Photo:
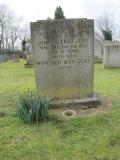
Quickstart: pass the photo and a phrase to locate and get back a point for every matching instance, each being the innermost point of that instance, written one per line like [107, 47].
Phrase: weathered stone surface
[63, 56]
[111, 54]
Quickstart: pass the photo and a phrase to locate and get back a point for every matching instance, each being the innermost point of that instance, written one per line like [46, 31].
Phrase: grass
[85, 138]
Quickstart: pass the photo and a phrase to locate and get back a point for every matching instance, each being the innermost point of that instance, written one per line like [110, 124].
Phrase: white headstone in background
[111, 54]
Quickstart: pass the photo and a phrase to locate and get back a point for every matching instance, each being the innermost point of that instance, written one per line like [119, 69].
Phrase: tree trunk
[0, 46]
[13, 48]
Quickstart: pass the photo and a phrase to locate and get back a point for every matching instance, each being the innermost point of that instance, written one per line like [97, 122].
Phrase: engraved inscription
[61, 49]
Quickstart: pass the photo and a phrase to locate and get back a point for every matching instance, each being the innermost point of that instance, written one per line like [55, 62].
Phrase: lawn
[95, 137]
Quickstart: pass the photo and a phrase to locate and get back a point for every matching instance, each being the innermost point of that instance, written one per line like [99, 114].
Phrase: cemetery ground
[87, 137]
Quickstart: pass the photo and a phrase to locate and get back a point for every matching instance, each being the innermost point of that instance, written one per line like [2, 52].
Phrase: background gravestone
[111, 57]
[3, 58]
[63, 56]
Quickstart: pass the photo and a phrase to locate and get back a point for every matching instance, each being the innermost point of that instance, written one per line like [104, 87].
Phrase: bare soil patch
[104, 107]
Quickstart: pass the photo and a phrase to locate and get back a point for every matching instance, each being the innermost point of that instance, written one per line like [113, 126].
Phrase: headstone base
[84, 103]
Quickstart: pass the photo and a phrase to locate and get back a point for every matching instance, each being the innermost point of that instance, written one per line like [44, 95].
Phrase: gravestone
[63, 53]
[3, 58]
[98, 51]
[29, 61]
[111, 57]
[15, 57]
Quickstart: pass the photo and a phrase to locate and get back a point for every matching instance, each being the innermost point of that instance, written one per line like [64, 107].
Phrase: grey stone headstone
[2, 59]
[63, 53]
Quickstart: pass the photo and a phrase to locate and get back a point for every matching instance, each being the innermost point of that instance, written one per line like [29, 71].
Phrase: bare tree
[3, 21]
[12, 29]
[24, 33]
[24, 30]
[105, 27]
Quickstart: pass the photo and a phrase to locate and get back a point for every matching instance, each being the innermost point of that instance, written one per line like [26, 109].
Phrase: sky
[34, 10]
